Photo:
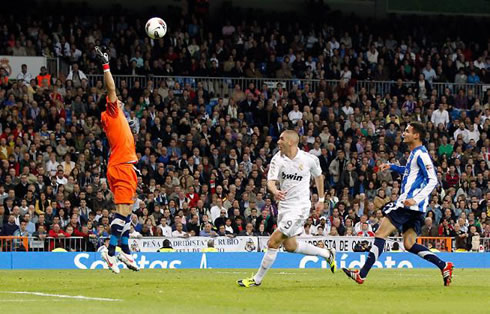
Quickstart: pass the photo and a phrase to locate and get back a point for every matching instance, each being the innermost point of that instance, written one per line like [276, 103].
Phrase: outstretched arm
[392, 167]
[103, 58]
[110, 85]
[399, 169]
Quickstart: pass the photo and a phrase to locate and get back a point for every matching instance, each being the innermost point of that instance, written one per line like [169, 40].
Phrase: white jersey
[294, 178]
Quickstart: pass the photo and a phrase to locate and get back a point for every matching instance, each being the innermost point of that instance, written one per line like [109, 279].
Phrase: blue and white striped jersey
[419, 179]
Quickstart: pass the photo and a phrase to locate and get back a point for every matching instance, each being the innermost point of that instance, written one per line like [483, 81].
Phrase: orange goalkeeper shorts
[122, 182]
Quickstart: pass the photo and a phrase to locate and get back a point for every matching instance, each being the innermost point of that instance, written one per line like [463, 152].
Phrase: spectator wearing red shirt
[446, 229]
[192, 197]
[57, 233]
[452, 177]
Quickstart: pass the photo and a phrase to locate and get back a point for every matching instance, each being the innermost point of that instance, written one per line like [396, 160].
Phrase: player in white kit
[292, 168]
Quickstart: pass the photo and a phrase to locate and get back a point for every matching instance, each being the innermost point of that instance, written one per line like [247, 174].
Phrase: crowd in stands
[204, 160]
[258, 45]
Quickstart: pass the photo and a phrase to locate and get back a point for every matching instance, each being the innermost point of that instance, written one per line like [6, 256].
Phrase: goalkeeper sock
[426, 254]
[125, 236]
[375, 252]
[310, 249]
[117, 226]
[267, 261]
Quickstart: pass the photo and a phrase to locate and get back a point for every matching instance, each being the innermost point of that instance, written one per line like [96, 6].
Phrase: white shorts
[291, 224]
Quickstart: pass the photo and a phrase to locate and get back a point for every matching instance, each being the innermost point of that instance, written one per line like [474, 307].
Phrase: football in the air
[156, 28]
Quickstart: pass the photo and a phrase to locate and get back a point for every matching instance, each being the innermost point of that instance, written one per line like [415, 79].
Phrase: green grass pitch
[215, 291]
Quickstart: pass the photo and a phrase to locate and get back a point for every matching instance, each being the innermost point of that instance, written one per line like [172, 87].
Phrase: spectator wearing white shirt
[24, 76]
[429, 73]
[75, 53]
[52, 164]
[76, 76]
[334, 44]
[307, 232]
[460, 77]
[463, 132]
[347, 109]
[316, 150]
[372, 55]
[295, 115]
[346, 40]
[67, 165]
[179, 232]
[228, 29]
[166, 229]
[215, 211]
[473, 133]
[479, 63]
[440, 116]
[358, 226]
[485, 116]
[133, 233]
[60, 178]
[62, 48]
[346, 74]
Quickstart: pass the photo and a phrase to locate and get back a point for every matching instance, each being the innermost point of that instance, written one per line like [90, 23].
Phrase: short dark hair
[418, 128]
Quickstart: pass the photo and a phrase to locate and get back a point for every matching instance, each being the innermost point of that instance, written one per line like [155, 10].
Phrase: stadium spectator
[428, 229]
[227, 133]
[473, 240]
[207, 231]
[24, 76]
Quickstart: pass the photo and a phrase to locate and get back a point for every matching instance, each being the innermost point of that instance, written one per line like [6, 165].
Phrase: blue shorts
[404, 219]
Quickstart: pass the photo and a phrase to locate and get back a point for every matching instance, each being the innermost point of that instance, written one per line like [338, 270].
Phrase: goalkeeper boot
[128, 260]
[111, 262]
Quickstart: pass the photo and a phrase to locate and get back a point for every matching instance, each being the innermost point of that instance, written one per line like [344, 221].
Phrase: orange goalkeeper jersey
[119, 134]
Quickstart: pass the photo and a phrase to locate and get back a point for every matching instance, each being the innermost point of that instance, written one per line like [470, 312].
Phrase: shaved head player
[292, 169]
[121, 173]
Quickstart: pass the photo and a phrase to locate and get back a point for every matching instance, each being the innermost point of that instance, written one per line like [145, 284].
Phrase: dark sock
[375, 252]
[125, 236]
[426, 254]
[117, 226]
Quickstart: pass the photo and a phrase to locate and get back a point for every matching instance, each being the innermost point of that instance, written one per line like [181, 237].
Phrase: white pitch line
[79, 297]
[32, 300]
[20, 300]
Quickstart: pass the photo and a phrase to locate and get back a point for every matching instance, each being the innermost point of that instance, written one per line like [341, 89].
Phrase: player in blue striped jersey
[407, 214]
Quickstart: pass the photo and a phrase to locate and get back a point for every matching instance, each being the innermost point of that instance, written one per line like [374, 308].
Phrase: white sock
[310, 249]
[267, 261]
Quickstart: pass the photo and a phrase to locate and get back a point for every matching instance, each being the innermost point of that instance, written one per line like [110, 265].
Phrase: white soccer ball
[156, 28]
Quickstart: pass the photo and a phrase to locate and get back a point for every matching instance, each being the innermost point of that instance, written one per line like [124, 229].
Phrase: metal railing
[58, 67]
[443, 244]
[12, 243]
[46, 244]
[223, 86]
[485, 244]
[76, 244]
